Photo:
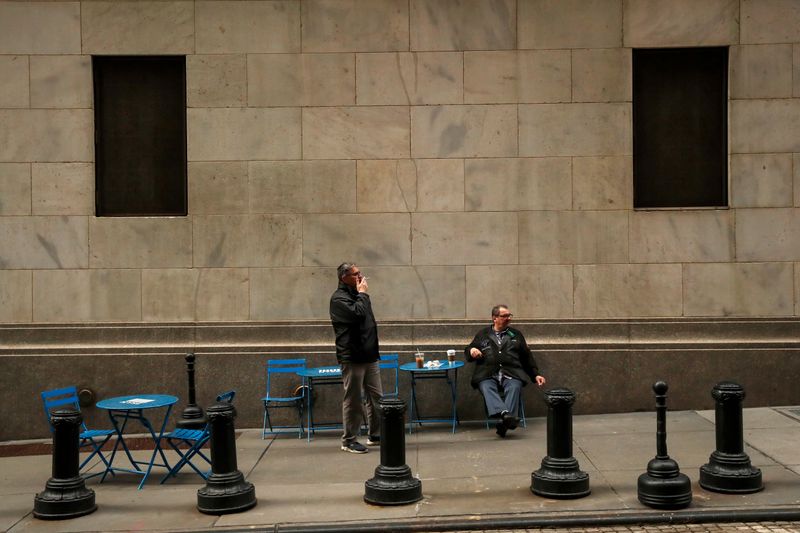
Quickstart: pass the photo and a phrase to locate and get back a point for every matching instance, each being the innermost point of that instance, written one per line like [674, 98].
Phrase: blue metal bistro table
[445, 370]
[124, 408]
[322, 375]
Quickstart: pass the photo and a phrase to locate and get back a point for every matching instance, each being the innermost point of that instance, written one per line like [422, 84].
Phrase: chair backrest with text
[391, 361]
[67, 396]
[282, 366]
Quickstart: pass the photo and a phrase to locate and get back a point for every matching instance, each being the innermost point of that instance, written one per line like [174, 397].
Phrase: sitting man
[502, 361]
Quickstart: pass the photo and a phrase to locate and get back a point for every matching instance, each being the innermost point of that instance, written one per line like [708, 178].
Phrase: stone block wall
[463, 153]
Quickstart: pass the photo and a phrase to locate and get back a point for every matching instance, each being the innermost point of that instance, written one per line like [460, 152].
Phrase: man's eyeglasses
[509, 315]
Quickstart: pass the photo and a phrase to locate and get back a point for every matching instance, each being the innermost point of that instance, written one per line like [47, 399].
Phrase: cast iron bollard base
[663, 486]
[226, 490]
[393, 483]
[192, 416]
[729, 469]
[560, 476]
[65, 494]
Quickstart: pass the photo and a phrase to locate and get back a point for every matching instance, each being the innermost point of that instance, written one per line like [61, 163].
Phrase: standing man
[503, 362]
[357, 353]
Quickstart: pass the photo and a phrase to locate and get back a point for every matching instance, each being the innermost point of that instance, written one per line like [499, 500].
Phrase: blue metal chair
[194, 439]
[391, 361]
[95, 438]
[273, 400]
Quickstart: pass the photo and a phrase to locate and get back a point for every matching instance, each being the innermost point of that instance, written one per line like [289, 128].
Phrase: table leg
[309, 409]
[120, 440]
[157, 443]
[412, 409]
[453, 394]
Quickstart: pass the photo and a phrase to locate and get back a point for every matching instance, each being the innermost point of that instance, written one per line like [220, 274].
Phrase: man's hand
[475, 353]
[361, 284]
[540, 380]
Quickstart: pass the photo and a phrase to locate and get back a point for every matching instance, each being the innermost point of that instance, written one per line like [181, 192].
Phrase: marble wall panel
[16, 296]
[764, 126]
[768, 234]
[761, 71]
[40, 28]
[223, 294]
[62, 188]
[247, 27]
[797, 288]
[218, 188]
[161, 242]
[517, 184]
[517, 76]
[61, 81]
[409, 78]
[530, 291]
[770, 21]
[87, 295]
[643, 290]
[14, 86]
[570, 23]
[464, 25]
[367, 239]
[246, 240]
[571, 237]
[796, 70]
[302, 186]
[46, 135]
[386, 186]
[216, 80]
[464, 238]
[169, 294]
[602, 182]
[301, 79]
[796, 167]
[355, 26]
[681, 236]
[741, 289]
[601, 75]
[761, 180]
[43, 242]
[15, 189]
[291, 293]
[243, 134]
[440, 184]
[417, 292]
[680, 23]
[464, 131]
[355, 133]
[141, 27]
[574, 129]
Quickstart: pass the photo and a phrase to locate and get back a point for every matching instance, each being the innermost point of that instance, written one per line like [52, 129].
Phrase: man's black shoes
[501, 428]
[510, 421]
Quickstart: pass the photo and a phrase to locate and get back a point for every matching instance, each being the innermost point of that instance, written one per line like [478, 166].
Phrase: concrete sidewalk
[470, 480]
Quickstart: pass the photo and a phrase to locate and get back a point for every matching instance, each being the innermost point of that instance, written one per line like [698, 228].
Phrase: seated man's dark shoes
[501, 428]
[509, 421]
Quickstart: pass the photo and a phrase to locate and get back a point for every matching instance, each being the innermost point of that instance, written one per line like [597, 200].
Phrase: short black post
[560, 475]
[663, 486]
[393, 483]
[728, 469]
[192, 416]
[65, 494]
[226, 491]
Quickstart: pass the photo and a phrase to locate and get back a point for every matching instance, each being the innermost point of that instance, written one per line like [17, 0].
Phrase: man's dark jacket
[513, 357]
[354, 326]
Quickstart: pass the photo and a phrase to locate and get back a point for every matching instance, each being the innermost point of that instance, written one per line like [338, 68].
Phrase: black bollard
[560, 475]
[65, 494]
[226, 491]
[192, 416]
[663, 486]
[728, 469]
[393, 483]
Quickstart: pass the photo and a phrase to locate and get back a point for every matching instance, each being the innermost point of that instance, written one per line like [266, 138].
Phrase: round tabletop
[137, 401]
[321, 372]
[443, 365]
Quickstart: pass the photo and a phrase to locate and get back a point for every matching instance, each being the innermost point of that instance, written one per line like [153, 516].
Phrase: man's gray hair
[343, 269]
[496, 309]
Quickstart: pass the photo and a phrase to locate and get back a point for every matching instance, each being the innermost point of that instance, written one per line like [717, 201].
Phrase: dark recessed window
[140, 128]
[680, 127]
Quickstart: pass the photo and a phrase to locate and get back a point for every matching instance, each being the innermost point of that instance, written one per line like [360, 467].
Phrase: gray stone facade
[462, 153]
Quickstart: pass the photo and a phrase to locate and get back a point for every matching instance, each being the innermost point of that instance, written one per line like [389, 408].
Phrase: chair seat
[281, 399]
[186, 434]
[93, 433]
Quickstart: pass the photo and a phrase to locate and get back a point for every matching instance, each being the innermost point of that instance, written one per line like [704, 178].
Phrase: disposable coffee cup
[451, 356]
[420, 358]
